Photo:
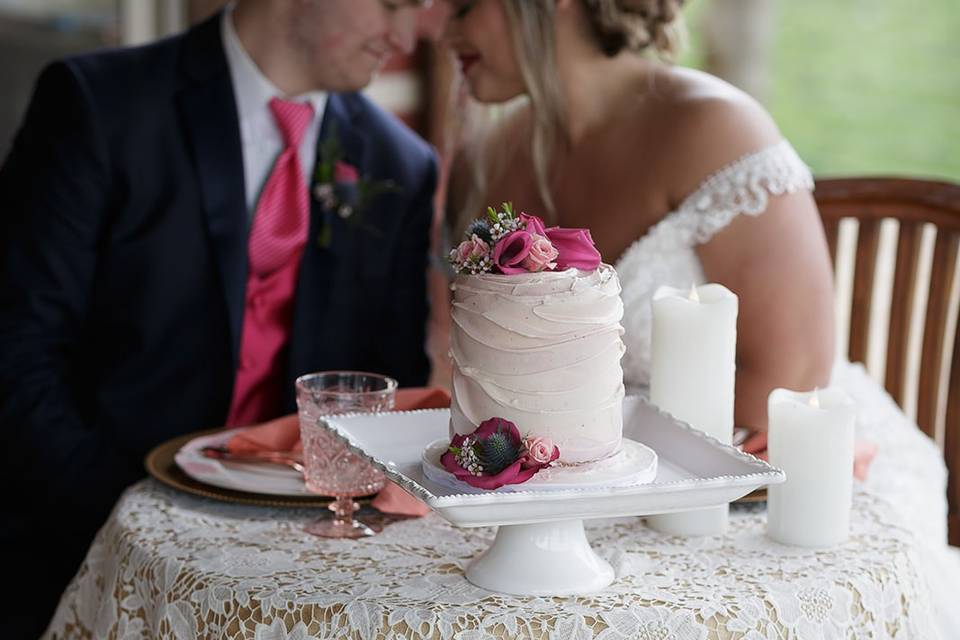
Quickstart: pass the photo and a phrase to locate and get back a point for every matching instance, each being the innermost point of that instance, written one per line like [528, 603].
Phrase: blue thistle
[497, 452]
[481, 229]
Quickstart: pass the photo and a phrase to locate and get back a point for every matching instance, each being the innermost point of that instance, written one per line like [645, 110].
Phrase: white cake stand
[568, 565]
[547, 559]
[540, 547]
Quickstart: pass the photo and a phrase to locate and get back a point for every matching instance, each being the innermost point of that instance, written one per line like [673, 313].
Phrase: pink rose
[510, 252]
[533, 224]
[472, 248]
[541, 256]
[464, 249]
[346, 173]
[575, 248]
[540, 452]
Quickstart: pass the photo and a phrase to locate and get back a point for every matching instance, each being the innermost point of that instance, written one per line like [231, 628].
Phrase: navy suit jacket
[123, 262]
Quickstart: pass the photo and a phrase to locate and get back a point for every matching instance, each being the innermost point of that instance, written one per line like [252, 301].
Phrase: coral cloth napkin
[283, 434]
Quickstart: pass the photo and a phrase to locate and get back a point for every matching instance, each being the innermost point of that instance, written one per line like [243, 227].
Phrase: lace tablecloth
[170, 565]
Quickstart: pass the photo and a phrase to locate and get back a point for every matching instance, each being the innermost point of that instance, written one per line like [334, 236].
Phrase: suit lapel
[209, 111]
[338, 120]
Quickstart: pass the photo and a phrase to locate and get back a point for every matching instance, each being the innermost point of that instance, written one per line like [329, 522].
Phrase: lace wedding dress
[908, 471]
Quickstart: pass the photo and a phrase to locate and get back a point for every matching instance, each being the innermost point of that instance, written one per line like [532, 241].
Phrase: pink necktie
[276, 243]
[280, 221]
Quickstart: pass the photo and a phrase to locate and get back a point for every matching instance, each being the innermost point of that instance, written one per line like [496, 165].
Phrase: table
[172, 565]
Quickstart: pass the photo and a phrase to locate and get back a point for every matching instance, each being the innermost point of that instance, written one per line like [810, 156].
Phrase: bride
[681, 179]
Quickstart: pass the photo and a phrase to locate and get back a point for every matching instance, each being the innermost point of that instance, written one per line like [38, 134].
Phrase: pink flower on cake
[540, 451]
[473, 248]
[494, 455]
[510, 252]
[533, 224]
[575, 248]
[542, 254]
[521, 243]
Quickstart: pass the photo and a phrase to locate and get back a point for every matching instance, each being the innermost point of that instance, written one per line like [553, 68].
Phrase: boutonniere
[340, 188]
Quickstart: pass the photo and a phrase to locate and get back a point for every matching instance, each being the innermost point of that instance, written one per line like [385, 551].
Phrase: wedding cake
[541, 350]
[536, 347]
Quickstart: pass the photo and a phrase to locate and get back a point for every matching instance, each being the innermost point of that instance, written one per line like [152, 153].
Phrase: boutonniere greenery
[339, 187]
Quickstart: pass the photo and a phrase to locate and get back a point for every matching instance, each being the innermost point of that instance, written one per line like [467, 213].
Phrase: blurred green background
[863, 86]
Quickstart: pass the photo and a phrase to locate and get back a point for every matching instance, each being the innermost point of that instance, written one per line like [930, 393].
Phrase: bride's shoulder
[707, 125]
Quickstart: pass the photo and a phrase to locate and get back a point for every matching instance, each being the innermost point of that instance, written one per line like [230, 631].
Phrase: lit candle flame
[694, 296]
[815, 399]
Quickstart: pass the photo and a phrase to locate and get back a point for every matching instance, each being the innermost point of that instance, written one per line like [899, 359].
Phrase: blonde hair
[535, 45]
[618, 25]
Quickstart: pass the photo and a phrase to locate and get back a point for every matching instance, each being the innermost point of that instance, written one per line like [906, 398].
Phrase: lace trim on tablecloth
[169, 565]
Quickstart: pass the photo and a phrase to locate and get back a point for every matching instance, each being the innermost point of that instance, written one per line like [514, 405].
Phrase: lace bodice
[665, 254]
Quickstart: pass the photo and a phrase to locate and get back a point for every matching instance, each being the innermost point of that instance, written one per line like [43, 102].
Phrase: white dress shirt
[260, 137]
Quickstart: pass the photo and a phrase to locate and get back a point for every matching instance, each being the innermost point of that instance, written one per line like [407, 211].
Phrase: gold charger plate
[161, 466]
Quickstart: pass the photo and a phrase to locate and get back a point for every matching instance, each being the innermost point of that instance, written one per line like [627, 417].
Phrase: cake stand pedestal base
[702, 522]
[546, 559]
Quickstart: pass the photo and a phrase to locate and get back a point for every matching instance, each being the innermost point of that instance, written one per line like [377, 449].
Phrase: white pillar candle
[811, 439]
[692, 377]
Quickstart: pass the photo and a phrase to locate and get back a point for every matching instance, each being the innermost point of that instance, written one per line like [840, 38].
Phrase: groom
[173, 253]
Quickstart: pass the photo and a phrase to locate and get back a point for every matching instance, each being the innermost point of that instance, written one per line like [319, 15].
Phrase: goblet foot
[341, 523]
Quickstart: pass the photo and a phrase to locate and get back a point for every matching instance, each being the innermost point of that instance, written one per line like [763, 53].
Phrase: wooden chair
[914, 204]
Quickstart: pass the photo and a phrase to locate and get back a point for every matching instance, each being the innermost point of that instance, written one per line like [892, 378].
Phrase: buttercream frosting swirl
[543, 351]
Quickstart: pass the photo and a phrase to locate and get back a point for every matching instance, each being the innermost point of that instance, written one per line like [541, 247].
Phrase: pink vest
[261, 370]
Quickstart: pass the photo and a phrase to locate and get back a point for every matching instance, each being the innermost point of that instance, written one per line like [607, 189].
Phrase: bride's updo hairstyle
[635, 25]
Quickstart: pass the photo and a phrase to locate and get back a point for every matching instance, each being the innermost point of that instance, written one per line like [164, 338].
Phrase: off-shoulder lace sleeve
[743, 187]
[665, 254]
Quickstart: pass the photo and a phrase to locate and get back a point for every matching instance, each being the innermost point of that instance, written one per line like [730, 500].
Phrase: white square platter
[694, 470]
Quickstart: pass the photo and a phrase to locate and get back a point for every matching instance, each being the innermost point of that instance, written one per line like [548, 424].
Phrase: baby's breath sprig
[475, 254]
[503, 222]
[466, 455]
[473, 265]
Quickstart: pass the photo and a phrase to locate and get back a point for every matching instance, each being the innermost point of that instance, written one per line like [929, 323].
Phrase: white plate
[255, 477]
[694, 470]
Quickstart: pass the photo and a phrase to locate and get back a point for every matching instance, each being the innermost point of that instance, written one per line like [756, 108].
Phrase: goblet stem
[343, 508]
[342, 523]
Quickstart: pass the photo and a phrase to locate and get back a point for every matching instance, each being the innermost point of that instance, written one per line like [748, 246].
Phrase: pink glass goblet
[330, 469]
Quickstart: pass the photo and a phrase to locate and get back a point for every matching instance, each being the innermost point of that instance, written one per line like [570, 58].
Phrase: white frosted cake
[541, 350]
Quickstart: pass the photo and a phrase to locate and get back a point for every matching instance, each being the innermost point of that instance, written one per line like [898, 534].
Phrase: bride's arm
[777, 263]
